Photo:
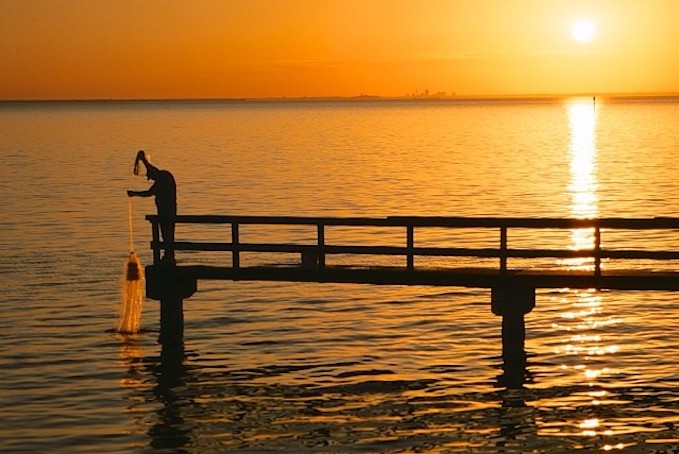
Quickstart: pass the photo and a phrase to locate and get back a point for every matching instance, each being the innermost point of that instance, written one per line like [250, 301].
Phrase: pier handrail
[410, 223]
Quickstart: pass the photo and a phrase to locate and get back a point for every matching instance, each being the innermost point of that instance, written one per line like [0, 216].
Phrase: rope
[129, 223]
[129, 215]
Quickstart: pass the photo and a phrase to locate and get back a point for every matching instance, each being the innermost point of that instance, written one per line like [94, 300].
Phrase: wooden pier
[500, 268]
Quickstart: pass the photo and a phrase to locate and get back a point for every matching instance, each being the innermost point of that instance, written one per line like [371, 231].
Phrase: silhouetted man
[165, 191]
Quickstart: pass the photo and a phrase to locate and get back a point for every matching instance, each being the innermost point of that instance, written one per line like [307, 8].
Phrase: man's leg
[167, 230]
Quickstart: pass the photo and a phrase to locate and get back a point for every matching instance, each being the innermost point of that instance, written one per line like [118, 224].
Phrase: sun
[583, 30]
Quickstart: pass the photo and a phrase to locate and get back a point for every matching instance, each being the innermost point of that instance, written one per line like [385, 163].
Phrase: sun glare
[583, 30]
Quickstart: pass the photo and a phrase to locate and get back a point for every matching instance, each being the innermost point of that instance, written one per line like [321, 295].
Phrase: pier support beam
[166, 284]
[512, 301]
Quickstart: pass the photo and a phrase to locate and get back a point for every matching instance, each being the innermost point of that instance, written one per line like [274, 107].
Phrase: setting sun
[392, 48]
[583, 30]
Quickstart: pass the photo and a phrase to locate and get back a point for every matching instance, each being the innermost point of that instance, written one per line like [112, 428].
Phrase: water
[322, 367]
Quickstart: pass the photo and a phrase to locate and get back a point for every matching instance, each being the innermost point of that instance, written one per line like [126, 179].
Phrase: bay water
[293, 367]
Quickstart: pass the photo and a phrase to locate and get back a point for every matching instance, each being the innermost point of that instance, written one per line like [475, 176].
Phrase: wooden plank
[423, 251]
[660, 223]
[460, 277]
[278, 220]
[640, 254]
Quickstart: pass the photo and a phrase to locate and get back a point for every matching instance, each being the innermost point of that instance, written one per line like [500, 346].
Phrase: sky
[139, 49]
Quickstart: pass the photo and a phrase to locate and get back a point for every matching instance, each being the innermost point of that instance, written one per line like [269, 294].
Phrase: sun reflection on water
[582, 118]
[586, 346]
[583, 187]
[585, 338]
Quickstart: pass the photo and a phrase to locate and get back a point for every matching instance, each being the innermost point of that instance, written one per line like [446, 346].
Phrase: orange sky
[53, 49]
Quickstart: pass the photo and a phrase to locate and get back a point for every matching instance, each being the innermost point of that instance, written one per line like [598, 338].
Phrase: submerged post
[171, 320]
[166, 284]
[512, 301]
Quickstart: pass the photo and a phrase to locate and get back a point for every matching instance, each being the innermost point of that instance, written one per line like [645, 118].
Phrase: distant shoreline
[433, 98]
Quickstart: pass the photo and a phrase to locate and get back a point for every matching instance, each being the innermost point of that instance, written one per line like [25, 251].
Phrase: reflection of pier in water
[512, 273]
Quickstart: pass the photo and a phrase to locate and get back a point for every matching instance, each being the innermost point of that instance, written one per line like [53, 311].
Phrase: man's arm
[148, 193]
[141, 156]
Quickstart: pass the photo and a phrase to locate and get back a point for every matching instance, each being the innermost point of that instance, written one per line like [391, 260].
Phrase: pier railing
[313, 254]
[512, 289]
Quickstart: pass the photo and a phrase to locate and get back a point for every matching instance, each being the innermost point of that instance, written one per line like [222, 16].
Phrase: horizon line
[362, 97]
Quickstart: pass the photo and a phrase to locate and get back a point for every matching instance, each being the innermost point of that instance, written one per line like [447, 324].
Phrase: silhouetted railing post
[503, 249]
[320, 231]
[410, 240]
[597, 250]
[235, 242]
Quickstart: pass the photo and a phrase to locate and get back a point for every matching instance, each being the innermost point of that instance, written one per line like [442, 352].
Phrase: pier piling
[165, 282]
[512, 301]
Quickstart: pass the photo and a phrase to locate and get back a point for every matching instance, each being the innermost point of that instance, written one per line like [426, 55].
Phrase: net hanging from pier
[129, 320]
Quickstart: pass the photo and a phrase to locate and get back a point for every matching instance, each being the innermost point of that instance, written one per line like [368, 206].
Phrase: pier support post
[512, 301]
[167, 284]
[171, 320]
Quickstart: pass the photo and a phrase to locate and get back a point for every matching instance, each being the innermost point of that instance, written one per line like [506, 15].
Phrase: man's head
[152, 172]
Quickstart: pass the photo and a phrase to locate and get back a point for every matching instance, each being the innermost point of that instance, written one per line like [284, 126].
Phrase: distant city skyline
[152, 49]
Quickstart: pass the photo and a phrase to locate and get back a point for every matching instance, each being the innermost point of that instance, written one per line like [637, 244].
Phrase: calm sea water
[286, 367]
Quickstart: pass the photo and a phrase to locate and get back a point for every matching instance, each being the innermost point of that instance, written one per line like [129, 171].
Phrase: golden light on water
[582, 122]
[584, 323]
[585, 340]
[131, 350]
[582, 116]
[592, 423]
